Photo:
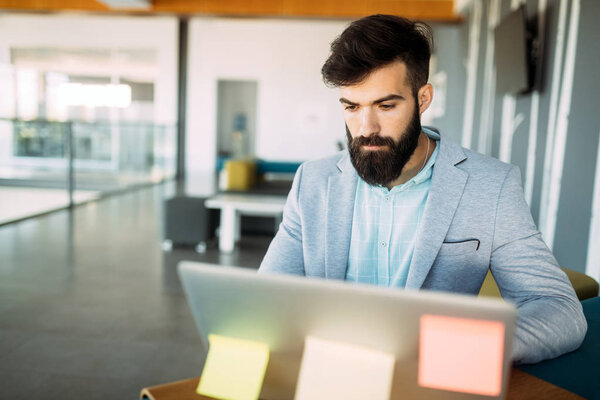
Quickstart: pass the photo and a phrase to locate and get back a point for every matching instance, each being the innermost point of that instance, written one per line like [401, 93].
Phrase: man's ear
[425, 97]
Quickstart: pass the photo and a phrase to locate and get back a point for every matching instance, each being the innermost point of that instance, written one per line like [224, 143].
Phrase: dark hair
[375, 41]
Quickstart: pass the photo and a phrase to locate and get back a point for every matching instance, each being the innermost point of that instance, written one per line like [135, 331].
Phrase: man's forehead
[384, 81]
[371, 94]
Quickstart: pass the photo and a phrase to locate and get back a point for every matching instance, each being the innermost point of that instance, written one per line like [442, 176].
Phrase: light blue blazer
[475, 219]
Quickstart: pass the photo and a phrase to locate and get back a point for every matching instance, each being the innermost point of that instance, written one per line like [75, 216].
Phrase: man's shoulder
[478, 163]
[325, 166]
[486, 163]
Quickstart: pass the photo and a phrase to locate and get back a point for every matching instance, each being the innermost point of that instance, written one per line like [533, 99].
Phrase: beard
[380, 167]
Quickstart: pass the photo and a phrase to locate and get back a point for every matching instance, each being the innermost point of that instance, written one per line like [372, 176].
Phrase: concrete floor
[90, 305]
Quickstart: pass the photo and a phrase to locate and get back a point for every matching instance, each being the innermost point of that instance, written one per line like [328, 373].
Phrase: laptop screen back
[446, 346]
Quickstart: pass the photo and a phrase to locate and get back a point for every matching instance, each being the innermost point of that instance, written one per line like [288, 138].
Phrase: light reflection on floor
[20, 202]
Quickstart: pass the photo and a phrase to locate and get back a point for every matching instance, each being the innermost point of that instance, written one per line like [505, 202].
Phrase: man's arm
[550, 317]
[285, 253]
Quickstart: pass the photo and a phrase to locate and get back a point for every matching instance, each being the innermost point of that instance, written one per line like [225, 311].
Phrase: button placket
[384, 234]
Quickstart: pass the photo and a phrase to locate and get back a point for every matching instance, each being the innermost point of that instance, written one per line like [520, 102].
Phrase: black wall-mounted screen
[514, 69]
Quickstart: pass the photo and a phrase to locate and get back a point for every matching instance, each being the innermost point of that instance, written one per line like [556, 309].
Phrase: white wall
[298, 118]
[103, 32]
[551, 134]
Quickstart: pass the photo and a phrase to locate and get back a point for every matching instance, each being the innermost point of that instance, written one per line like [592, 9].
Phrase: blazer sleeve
[550, 318]
[285, 253]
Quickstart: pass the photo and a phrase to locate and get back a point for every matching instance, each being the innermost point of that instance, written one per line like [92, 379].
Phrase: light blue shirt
[384, 226]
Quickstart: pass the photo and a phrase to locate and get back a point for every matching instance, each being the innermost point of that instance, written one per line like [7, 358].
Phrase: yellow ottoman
[241, 174]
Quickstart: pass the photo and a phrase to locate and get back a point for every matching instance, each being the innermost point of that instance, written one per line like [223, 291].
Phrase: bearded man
[405, 207]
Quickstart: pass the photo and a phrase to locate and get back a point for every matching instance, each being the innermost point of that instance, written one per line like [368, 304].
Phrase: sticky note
[461, 354]
[234, 368]
[332, 370]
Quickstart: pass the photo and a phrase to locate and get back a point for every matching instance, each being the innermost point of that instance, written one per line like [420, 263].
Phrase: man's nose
[369, 124]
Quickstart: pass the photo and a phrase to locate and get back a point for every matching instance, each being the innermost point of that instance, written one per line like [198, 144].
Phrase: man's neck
[417, 161]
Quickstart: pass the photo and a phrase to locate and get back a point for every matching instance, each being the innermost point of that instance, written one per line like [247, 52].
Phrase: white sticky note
[332, 370]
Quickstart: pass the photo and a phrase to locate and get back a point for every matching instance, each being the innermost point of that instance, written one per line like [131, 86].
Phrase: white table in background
[233, 206]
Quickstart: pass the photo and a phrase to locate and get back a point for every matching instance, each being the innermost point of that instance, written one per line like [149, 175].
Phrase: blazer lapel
[447, 186]
[341, 193]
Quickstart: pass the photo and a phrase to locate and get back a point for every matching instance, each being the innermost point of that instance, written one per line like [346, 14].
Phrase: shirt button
[382, 244]
[387, 198]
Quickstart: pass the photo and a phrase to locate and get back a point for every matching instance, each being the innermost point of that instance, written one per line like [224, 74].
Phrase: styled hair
[375, 41]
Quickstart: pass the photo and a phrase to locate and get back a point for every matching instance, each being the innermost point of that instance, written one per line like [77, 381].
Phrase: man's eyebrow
[381, 100]
[389, 97]
[346, 101]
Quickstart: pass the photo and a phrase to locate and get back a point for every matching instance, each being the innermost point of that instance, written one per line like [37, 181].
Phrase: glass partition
[33, 168]
[49, 165]
[111, 157]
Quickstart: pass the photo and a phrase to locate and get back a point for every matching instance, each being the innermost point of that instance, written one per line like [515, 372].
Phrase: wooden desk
[522, 386]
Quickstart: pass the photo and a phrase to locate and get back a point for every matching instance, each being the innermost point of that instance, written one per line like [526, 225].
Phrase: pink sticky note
[461, 354]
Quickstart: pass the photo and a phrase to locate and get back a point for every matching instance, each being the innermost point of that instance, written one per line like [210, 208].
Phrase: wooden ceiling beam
[52, 5]
[436, 10]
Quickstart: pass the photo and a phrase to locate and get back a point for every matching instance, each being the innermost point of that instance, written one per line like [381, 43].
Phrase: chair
[585, 286]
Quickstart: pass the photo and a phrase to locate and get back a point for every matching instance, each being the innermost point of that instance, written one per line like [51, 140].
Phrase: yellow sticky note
[234, 368]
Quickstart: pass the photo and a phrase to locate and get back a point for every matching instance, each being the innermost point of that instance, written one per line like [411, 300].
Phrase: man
[407, 208]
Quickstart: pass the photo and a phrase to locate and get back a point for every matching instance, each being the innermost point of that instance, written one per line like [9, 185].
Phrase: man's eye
[348, 107]
[387, 106]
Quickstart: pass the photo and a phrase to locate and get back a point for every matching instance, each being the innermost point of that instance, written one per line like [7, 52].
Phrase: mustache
[373, 140]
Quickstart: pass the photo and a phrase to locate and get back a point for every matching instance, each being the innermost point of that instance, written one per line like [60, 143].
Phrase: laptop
[282, 310]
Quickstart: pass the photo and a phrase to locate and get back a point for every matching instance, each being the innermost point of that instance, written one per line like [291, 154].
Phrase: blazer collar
[447, 186]
[341, 193]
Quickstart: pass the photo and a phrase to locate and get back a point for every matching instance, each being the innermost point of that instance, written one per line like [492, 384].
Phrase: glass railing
[48, 165]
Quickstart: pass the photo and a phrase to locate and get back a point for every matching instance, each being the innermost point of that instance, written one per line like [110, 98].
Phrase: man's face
[382, 123]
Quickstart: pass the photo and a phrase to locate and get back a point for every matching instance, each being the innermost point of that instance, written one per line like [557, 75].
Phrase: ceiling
[430, 10]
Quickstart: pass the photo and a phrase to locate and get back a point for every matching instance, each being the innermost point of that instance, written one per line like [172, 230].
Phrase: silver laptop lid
[282, 311]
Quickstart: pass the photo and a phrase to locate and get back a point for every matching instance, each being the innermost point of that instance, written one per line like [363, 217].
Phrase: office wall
[579, 173]
[298, 118]
[450, 53]
[552, 134]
